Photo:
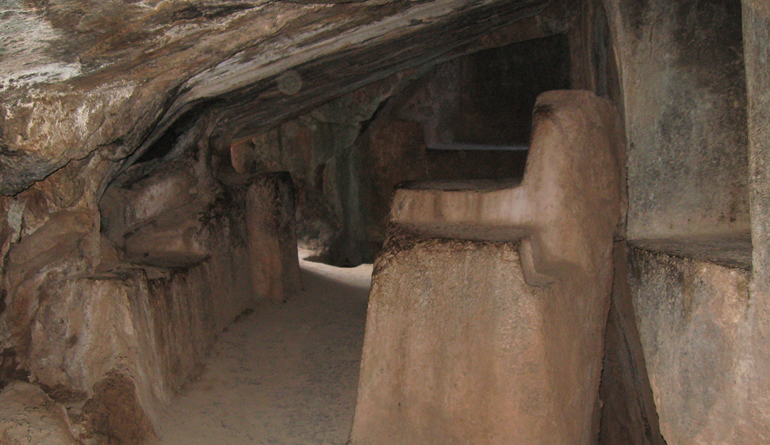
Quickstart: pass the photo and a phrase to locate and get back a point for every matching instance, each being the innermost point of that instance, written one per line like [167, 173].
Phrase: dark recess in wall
[165, 144]
[500, 87]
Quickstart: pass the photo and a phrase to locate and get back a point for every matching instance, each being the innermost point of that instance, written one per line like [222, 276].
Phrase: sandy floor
[285, 374]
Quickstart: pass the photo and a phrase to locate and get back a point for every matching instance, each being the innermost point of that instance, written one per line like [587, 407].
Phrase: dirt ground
[285, 374]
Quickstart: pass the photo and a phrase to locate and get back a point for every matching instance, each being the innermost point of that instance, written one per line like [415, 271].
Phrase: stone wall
[111, 304]
[756, 35]
[684, 98]
[683, 91]
[692, 319]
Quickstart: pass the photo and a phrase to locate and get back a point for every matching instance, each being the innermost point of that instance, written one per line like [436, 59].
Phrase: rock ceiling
[75, 78]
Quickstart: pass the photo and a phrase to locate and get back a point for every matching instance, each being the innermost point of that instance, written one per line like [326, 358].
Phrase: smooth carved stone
[569, 198]
[472, 341]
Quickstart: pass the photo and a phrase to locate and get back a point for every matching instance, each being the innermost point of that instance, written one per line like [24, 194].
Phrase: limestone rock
[474, 342]
[273, 236]
[175, 241]
[128, 71]
[756, 22]
[114, 413]
[685, 116]
[628, 414]
[692, 319]
[29, 416]
[454, 350]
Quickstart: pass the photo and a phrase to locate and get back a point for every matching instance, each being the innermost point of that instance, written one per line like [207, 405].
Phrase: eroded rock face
[114, 414]
[28, 415]
[138, 295]
[129, 81]
[692, 320]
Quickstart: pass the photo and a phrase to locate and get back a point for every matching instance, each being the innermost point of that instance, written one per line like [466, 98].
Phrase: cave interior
[162, 161]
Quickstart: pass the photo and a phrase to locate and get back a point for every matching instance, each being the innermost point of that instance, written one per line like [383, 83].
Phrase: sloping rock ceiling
[77, 78]
[92, 91]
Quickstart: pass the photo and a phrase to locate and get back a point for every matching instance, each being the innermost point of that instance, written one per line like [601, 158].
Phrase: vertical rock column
[489, 300]
[755, 366]
[273, 236]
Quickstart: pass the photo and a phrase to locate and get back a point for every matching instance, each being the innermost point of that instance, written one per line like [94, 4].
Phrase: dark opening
[497, 92]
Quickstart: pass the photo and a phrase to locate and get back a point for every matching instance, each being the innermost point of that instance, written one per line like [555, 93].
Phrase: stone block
[692, 318]
[489, 301]
[459, 349]
[272, 237]
[175, 240]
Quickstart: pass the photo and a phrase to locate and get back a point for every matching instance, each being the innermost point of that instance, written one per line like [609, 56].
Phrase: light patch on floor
[284, 374]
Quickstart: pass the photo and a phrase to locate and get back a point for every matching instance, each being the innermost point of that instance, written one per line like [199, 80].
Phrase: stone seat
[489, 299]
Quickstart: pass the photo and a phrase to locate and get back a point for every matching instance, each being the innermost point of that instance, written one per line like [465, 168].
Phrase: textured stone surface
[151, 325]
[684, 100]
[568, 202]
[29, 416]
[730, 250]
[472, 342]
[454, 350]
[628, 413]
[114, 414]
[90, 312]
[692, 317]
[756, 36]
[273, 236]
[128, 72]
[460, 350]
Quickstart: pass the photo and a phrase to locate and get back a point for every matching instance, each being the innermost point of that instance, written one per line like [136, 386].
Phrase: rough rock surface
[628, 414]
[128, 82]
[97, 316]
[692, 317]
[29, 416]
[756, 410]
[273, 236]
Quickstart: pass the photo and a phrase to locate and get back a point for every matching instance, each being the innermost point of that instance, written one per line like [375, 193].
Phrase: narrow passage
[285, 374]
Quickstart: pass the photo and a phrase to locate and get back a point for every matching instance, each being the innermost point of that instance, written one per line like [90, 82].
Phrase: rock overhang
[133, 68]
